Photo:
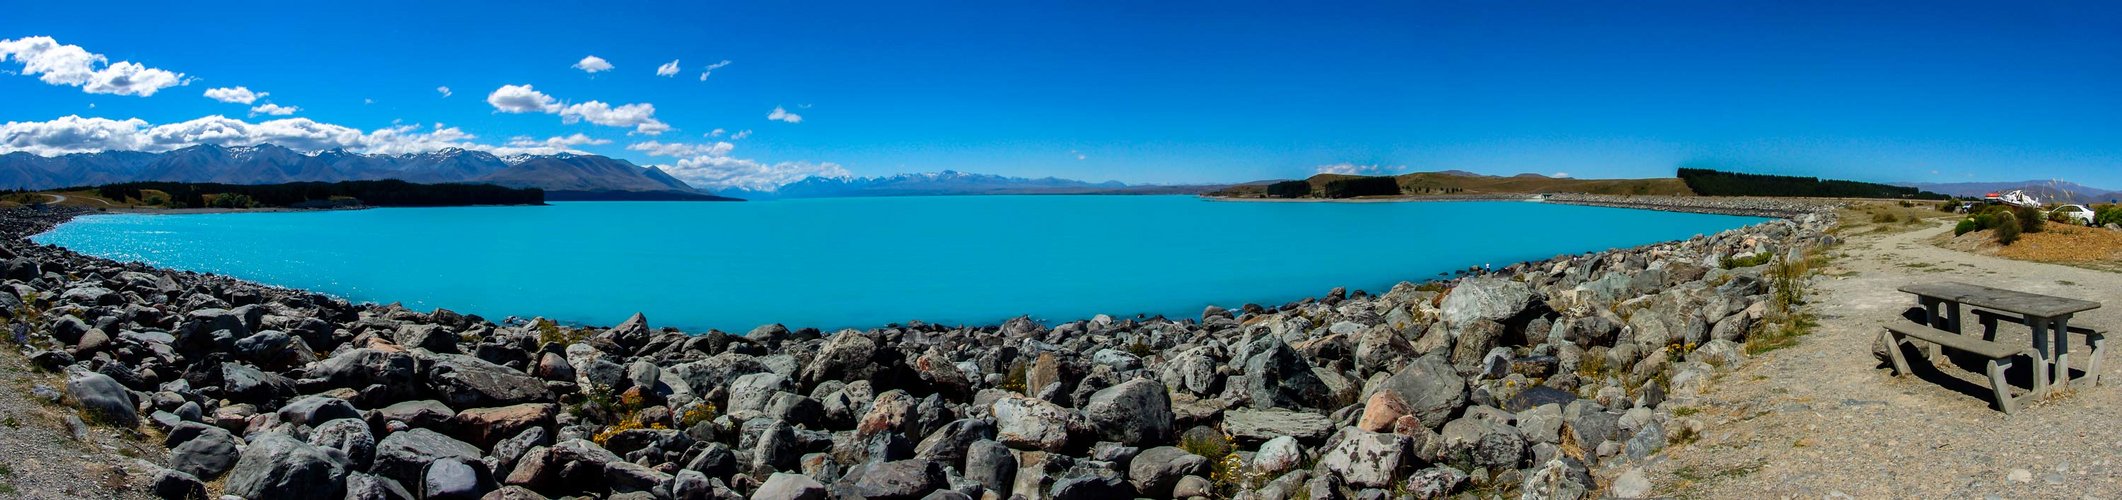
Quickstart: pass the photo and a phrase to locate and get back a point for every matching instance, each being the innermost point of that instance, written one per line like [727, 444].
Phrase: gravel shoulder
[1825, 418]
[40, 455]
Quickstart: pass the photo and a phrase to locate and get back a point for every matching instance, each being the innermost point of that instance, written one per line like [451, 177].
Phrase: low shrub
[1884, 218]
[2107, 214]
[2031, 220]
[2007, 230]
[1967, 225]
[1730, 262]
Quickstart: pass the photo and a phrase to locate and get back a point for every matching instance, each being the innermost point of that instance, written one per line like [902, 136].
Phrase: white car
[2077, 214]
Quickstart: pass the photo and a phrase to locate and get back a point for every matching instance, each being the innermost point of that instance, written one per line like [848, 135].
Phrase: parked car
[2076, 214]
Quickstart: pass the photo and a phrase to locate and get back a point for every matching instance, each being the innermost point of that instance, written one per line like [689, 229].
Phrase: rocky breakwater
[1538, 379]
[1722, 205]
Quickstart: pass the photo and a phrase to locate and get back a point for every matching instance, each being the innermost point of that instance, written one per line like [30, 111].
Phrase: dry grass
[1885, 217]
[2090, 248]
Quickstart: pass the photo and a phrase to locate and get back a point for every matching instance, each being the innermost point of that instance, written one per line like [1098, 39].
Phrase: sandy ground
[1824, 419]
[42, 459]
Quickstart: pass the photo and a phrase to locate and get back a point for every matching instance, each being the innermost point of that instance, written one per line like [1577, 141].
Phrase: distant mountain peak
[274, 164]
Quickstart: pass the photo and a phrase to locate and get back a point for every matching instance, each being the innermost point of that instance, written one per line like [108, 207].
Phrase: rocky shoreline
[1542, 379]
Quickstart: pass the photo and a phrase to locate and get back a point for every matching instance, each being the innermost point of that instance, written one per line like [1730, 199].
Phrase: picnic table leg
[2062, 344]
[1952, 317]
[1930, 318]
[2042, 367]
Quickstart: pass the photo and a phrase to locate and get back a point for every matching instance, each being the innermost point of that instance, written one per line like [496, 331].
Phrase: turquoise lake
[865, 262]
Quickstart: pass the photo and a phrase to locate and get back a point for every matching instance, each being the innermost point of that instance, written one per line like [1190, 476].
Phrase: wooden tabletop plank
[2046, 306]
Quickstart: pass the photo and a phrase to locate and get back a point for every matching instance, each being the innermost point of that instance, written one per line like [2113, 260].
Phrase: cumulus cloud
[676, 150]
[273, 109]
[740, 135]
[668, 69]
[592, 65]
[640, 116]
[1565, 175]
[779, 114]
[444, 90]
[549, 145]
[520, 99]
[73, 66]
[1354, 169]
[723, 172]
[524, 99]
[711, 69]
[75, 134]
[715, 133]
[234, 95]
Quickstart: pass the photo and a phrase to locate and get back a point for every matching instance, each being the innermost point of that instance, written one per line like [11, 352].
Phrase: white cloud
[780, 114]
[521, 99]
[524, 99]
[640, 116]
[273, 109]
[73, 134]
[740, 135]
[1354, 169]
[234, 95]
[592, 65]
[715, 133]
[723, 172]
[367, 101]
[549, 145]
[444, 90]
[73, 66]
[677, 149]
[1559, 175]
[668, 69]
[711, 69]
[1079, 155]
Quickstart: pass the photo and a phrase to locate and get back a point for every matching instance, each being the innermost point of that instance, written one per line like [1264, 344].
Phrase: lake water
[865, 262]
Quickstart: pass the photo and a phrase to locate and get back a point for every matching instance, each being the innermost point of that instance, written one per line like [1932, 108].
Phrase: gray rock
[1031, 424]
[750, 394]
[1589, 424]
[359, 368]
[778, 448]
[248, 384]
[1367, 459]
[1279, 455]
[1255, 426]
[948, 445]
[1485, 298]
[435, 338]
[1099, 484]
[846, 356]
[206, 456]
[1118, 360]
[469, 382]
[313, 410]
[1193, 371]
[1562, 478]
[785, 486]
[1136, 412]
[1435, 482]
[274, 465]
[901, 479]
[1488, 443]
[404, 455]
[1542, 424]
[454, 479]
[1648, 440]
[173, 484]
[364, 486]
[103, 397]
[1631, 484]
[351, 437]
[1155, 471]
[992, 465]
[1194, 487]
[1277, 377]
[1432, 389]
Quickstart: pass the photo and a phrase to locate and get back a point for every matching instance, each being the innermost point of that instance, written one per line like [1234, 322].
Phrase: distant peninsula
[293, 195]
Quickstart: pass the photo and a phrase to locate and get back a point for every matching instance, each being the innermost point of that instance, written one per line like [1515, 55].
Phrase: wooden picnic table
[2046, 314]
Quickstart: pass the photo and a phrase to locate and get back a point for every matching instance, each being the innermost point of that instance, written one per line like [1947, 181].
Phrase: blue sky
[1160, 92]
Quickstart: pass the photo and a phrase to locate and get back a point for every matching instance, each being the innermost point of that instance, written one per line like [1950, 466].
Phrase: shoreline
[1781, 208]
[1429, 366]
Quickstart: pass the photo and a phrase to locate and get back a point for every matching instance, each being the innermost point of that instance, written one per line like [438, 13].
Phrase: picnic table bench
[2048, 316]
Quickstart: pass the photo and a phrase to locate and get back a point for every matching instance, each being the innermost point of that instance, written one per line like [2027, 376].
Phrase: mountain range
[950, 182]
[2047, 191]
[563, 176]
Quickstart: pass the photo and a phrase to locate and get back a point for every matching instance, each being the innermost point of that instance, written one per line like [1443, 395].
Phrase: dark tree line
[1707, 182]
[380, 193]
[1289, 189]
[1360, 186]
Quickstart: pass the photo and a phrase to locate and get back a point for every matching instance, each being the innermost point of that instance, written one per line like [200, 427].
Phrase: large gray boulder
[786, 486]
[359, 368]
[846, 356]
[1030, 424]
[1488, 443]
[206, 455]
[350, 436]
[274, 465]
[1277, 377]
[992, 465]
[1562, 478]
[404, 455]
[103, 397]
[1367, 459]
[1135, 413]
[1431, 388]
[1489, 298]
[469, 382]
[948, 445]
[1156, 470]
[900, 479]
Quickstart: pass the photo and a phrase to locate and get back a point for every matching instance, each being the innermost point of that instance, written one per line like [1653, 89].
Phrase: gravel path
[40, 457]
[1825, 419]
